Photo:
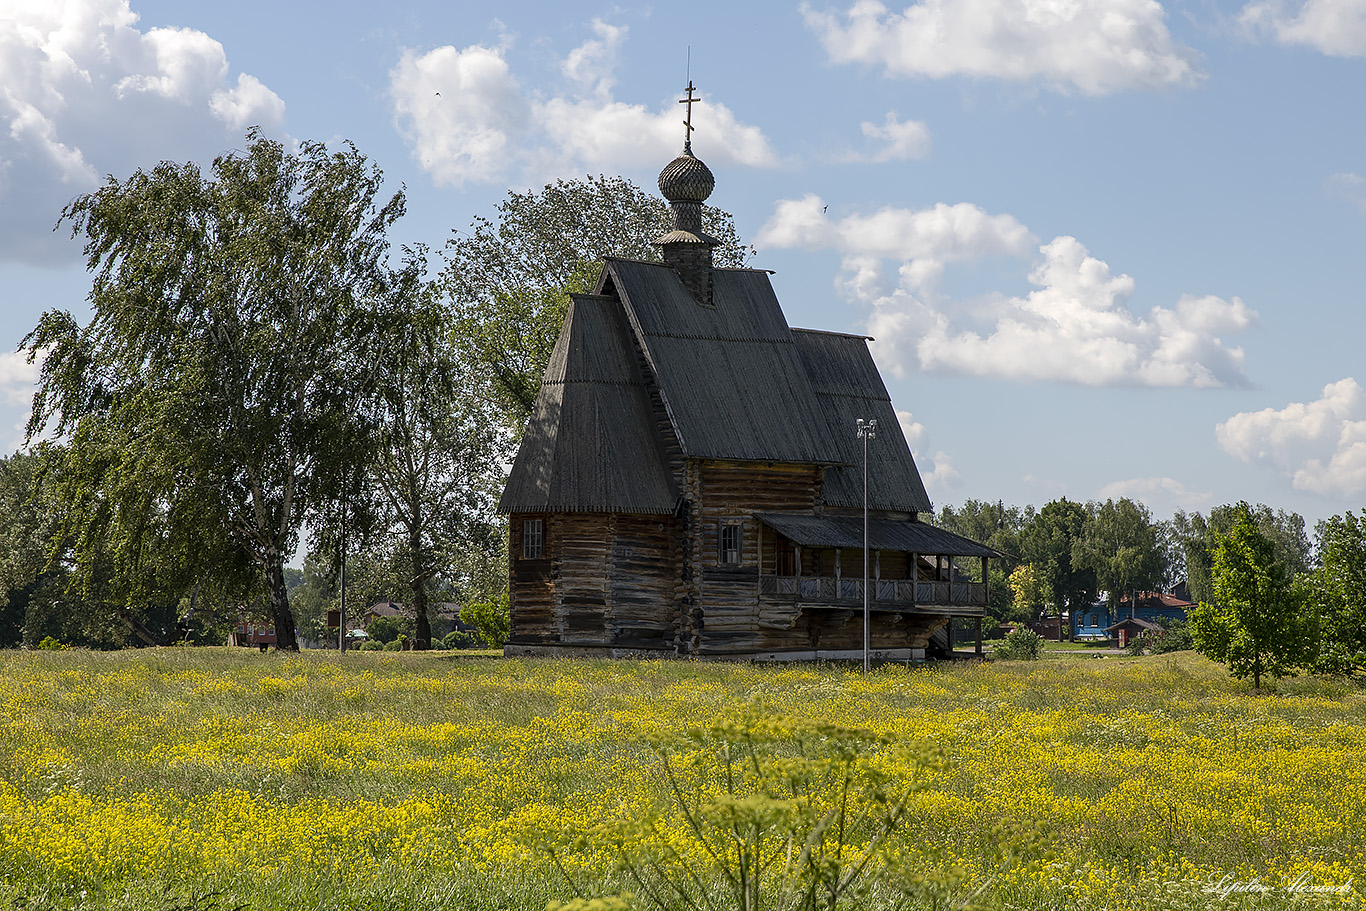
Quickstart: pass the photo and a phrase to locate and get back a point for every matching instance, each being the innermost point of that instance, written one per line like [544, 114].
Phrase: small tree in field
[492, 620]
[1254, 625]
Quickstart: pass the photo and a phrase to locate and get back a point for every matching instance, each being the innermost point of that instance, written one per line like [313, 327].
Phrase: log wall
[604, 581]
[530, 592]
[618, 584]
[731, 619]
[582, 562]
[645, 579]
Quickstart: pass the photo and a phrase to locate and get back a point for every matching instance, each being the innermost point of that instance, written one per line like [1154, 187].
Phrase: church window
[533, 536]
[730, 544]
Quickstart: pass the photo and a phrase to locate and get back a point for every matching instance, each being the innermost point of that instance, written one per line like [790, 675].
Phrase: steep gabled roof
[731, 374]
[847, 385]
[591, 444]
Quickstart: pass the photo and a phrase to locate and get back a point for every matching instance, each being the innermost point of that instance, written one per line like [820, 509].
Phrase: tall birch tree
[209, 404]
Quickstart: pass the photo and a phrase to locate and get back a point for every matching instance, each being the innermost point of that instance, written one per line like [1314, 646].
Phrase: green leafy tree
[994, 524]
[436, 471]
[1119, 543]
[1029, 591]
[41, 595]
[1254, 625]
[492, 620]
[388, 629]
[1335, 593]
[1049, 543]
[508, 279]
[312, 593]
[997, 526]
[1198, 535]
[28, 524]
[1020, 645]
[209, 405]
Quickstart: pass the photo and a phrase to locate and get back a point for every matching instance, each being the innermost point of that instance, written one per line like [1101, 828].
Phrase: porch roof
[883, 534]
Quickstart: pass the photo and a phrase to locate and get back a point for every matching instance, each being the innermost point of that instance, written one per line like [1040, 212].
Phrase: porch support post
[915, 575]
[979, 637]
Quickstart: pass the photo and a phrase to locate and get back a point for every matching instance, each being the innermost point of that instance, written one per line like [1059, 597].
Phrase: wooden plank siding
[728, 594]
[531, 593]
[581, 555]
[605, 581]
[646, 556]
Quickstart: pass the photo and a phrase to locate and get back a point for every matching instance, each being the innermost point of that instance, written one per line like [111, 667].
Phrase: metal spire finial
[687, 123]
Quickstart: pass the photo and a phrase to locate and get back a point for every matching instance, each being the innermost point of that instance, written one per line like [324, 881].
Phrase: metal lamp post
[867, 430]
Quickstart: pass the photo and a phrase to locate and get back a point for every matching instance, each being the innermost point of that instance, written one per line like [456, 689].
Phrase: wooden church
[691, 482]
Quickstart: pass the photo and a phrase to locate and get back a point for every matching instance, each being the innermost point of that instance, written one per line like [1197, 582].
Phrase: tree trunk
[279, 602]
[422, 629]
[139, 628]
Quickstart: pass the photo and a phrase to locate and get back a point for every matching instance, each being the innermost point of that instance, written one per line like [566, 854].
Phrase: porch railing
[903, 591]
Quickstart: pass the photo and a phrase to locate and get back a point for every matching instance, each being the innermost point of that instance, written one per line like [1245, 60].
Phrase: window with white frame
[533, 539]
[729, 545]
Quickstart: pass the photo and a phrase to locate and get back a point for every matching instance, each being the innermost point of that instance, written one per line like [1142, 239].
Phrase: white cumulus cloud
[1095, 46]
[84, 92]
[246, 104]
[460, 110]
[1320, 445]
[1074, 327]
[937, 473]
[926, 240]
[18, 378]
[1333, 27]
[468, 119]
[1161, 493]
[892, 140]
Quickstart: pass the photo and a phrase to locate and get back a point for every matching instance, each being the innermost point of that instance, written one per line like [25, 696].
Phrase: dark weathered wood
[531, 594]
[735, 421]
[644, 582]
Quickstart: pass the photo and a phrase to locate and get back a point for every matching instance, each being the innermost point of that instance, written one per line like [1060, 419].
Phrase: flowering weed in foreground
[765, 812]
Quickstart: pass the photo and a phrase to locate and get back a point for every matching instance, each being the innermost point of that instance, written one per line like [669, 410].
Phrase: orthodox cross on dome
[687, 123]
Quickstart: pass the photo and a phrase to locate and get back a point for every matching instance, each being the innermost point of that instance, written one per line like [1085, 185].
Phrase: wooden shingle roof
[731, 374]
[735, 383]
[590, 445]
[848, 387]
[883, 534]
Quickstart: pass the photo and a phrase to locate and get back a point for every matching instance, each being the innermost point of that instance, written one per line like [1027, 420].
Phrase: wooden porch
[965, 598]
[817, 561]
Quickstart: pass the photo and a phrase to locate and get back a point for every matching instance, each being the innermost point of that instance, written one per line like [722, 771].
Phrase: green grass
[188, 777]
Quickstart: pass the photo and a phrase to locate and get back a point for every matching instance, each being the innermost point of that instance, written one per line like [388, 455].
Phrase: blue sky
[1107, 247]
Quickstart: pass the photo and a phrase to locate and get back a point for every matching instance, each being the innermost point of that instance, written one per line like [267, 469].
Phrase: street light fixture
[867, 430]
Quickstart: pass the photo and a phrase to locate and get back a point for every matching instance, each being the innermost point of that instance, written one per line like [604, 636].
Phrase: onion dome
[686, 178]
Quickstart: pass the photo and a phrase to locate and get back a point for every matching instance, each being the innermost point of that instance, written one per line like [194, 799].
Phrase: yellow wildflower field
[216, 778]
